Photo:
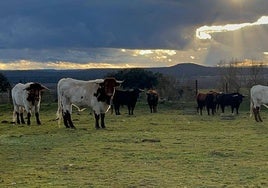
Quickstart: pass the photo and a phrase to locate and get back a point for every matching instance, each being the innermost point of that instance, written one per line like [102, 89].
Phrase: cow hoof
[73, 127]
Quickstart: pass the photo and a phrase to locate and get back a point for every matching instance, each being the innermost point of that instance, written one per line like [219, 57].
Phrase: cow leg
[18, 117]
[255, 114]
[208, 111]
[65, 121]
[116, 108]
[68, 120]
[102, 120]
[154, 109]
[37, 118]
[258, 113]
[222, 108]
[28, 118]
[97, 117]
[22, 118]
[129, 109]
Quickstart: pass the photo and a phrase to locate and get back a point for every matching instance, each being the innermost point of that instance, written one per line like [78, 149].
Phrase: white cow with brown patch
[96, 94]
[26, 97]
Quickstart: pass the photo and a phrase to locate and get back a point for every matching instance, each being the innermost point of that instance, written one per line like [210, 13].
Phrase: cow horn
[119, 82]
[44, 87]
[99, 81]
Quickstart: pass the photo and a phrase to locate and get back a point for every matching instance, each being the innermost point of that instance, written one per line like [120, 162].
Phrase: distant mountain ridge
[187, 70]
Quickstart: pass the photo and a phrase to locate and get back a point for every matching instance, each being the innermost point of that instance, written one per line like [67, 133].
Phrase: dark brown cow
[207, 99]
[201, 102]
[152, 100]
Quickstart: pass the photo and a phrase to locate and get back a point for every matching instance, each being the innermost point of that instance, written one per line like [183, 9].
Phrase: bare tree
[169, 87]
[256, 74]
[230, 76]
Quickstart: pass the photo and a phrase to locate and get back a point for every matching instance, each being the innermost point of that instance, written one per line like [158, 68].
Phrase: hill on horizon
[184, 72]
[53, 76]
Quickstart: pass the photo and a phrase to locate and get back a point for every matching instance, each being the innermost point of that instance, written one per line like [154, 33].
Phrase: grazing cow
[258, 97]
[207, 99]
[126, 97]
[152, 100]
[26, 97]
[233, 99]
[96, 94]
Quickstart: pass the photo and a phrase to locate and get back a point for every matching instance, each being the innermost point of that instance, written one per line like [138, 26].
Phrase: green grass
[166, 149]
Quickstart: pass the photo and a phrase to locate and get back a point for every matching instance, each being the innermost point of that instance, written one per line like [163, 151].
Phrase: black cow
[152, 100]
[233, 99]
[125, 97]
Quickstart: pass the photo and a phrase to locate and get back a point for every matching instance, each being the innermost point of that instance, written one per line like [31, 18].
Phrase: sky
[80, 34]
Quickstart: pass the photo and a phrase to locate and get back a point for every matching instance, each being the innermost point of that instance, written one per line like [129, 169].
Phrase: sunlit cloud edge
[204, 32]
[58, 65]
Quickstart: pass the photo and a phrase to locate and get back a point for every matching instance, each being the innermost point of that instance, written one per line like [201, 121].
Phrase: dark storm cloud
[118, 24]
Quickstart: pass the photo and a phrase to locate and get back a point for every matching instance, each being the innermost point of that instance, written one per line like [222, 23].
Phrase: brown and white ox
[96, 94]
[258, 97]
[26, 97]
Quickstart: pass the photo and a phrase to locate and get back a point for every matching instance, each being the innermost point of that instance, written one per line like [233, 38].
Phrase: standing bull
[152, 100]
[26, 97]
[233, 99]
[126, 97]
[258, 97]
[96, 94]
[208, 100]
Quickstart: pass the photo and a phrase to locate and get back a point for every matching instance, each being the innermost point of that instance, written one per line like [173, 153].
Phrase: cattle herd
[213, 100]
[102, 94]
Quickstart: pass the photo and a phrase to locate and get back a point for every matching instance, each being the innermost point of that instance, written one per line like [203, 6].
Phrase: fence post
[196, 87]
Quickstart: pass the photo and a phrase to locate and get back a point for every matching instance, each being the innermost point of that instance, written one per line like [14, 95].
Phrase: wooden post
[196, 87]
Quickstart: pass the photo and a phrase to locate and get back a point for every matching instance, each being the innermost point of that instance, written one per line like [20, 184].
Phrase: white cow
[258, 97]
[95, 94]
[26, 97]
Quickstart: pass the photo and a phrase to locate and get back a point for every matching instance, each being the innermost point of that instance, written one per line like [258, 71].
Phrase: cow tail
[14, 116]
[251, 108]
[59, 111]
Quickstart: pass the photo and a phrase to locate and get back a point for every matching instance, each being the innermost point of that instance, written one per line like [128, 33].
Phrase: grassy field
[172, 148]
